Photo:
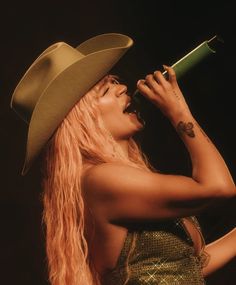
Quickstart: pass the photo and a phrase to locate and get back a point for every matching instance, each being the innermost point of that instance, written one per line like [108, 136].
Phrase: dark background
[163, 31]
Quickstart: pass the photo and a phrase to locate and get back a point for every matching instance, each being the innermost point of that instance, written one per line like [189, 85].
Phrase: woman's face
[112, 100]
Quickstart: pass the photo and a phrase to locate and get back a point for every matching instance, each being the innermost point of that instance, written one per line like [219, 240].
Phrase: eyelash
[115, 81]
[105, 91]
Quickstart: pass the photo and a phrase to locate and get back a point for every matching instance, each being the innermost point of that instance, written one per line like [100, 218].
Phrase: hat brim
[63, 93]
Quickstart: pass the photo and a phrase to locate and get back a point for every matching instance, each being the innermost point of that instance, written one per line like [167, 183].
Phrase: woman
[110, 217]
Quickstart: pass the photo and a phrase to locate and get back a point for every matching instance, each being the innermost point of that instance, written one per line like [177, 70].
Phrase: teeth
[126, 107]
[133, 108]
[133, 112]
[129, 108]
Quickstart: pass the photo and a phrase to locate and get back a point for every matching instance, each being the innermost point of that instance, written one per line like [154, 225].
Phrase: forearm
[220, 252]
[208, 166]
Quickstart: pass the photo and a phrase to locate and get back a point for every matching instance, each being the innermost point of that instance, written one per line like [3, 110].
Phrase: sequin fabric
[163, 255]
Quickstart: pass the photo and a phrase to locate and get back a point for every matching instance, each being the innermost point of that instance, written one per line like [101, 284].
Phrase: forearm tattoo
[185, 128]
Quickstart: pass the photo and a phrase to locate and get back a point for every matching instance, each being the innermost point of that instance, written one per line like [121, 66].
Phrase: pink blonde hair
[80, 137]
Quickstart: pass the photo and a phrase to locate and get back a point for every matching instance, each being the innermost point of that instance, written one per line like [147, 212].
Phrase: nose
[121, 89]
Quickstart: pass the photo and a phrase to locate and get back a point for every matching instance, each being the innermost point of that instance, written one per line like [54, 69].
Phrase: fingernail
[140, 81]
[165, 66]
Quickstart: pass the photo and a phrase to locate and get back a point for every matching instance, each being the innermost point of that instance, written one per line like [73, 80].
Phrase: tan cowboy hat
[57, 79]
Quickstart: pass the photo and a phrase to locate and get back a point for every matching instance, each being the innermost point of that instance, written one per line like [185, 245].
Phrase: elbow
[226, 190]
[230, 192]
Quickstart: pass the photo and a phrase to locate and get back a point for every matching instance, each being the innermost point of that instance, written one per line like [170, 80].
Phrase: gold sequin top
[159, 254]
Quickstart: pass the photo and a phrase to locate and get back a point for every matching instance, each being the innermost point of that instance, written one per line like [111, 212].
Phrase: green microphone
[184, 65]
[191, 59]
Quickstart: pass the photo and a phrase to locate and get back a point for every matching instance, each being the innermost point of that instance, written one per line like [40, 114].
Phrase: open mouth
[132, 108]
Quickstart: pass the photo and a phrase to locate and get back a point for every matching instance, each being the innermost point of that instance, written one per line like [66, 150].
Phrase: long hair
[81, 137]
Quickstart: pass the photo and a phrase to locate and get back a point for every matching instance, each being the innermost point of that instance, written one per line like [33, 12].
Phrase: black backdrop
[163, 31]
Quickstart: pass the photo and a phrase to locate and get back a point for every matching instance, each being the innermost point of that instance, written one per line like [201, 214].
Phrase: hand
[164, 94]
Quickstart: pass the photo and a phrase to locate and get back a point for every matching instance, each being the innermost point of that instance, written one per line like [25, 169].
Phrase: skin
[112, 98]
[118, 194]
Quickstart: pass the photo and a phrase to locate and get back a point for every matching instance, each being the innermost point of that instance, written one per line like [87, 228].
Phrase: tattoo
[176, 95]
[185, 128]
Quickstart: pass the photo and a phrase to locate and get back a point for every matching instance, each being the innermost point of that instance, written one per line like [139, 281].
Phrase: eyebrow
[107, 79]
[99, 88]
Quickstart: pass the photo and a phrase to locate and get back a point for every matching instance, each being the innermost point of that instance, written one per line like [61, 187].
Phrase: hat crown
[57, 80]
[55, 59]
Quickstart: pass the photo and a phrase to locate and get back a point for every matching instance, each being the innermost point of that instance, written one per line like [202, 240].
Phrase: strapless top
[162, 253]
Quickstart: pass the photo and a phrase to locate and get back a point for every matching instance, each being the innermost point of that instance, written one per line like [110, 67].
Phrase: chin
[140, 125]
[137, 130]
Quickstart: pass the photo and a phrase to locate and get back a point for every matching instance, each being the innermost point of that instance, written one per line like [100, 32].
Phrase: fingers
[171, 74]
[157, 79]
[160, 78]
[152, 83]
[144, 89]
[156, 83]
[151, 87]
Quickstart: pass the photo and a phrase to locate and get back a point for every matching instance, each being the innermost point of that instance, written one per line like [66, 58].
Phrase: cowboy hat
[55, 82]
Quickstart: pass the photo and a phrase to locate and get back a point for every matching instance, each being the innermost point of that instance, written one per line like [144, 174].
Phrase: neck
[124, 146]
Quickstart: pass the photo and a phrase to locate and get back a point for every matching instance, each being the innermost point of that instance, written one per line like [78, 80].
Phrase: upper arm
[123, 192]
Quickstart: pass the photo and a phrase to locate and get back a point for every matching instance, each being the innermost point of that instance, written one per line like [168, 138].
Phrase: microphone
[184, 65]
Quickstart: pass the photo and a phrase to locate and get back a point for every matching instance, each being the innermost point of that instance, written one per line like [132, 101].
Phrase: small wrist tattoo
[185, 128]
[176, 95]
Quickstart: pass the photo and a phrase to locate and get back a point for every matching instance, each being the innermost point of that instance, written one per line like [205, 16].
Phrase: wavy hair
[81, 137]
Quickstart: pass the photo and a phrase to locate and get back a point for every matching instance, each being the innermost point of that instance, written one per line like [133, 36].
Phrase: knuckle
[172, 71]
[157, 73]
[148, 77]
[139, 82]
[140, 86]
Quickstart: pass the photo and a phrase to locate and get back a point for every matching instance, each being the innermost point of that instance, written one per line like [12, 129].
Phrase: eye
[105, 91]
[114, 81]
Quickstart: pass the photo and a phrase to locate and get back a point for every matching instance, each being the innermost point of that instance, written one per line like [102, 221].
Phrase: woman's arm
[121, 192]
[208, 166]
[220, 252]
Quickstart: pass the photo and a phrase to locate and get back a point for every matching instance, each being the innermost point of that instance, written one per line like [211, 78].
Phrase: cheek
[108, 106]
[112, 116]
